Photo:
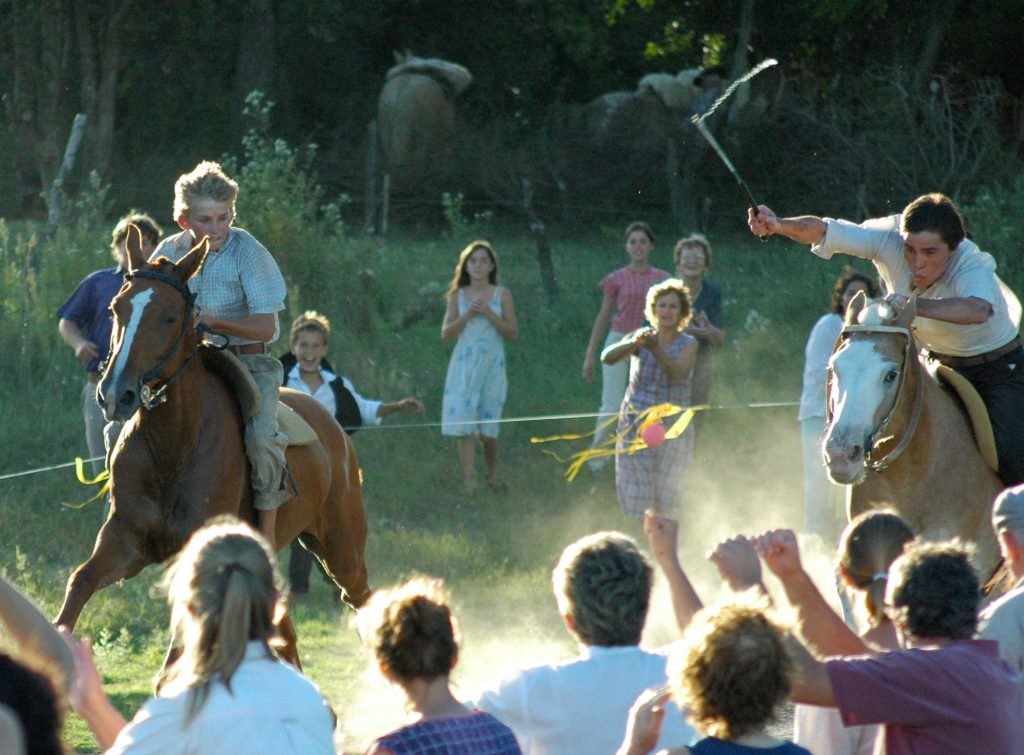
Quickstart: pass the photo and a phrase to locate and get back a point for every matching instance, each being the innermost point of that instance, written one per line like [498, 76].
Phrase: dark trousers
[1001, 386]
[299, 567]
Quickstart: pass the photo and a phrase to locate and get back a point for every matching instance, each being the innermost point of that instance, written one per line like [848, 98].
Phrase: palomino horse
[900, 439]
[181, 459]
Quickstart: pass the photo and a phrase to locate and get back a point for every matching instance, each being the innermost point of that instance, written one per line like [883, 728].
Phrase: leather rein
[149, 397]
[872, 460]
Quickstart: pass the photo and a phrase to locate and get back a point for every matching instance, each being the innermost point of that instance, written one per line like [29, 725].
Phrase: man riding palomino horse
[967, 318]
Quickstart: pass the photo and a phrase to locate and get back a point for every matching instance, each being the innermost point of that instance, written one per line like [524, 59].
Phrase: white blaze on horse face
[138, 305]
[862, 393]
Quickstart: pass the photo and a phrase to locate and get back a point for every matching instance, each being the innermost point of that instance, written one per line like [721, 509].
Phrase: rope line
[421, 425]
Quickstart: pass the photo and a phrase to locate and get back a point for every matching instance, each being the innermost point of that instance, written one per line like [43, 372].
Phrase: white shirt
[271, 708]
[581, 706]
[324, 394]
[819, 348]
[970, 273]
[1003, 621]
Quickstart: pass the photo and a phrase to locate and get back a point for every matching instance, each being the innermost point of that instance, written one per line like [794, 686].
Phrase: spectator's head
[638, 226]
[33, 699]
[639, 243]
[310, 335]
[671, 289]
[603, 586]
[1008, 524]
[933, 592]
[412, 631]
[476, 253]
[731, 671]
[934, 213]
[148, 227]
[225, 590]
[847, 286]
[867, 548]
[692, 252]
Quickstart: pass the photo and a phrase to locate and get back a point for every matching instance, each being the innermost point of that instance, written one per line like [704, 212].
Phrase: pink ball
[654, 434]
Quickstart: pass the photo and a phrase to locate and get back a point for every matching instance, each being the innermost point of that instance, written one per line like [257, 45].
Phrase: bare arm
[505, 323]
[965, 311]
[453, 321]
[406, 404]
[597, 333]
[663, 538]
[823, 629]
[810, 681]
[32, 632]
[84, 348]
[626, 347]
[702, 329]
[259, 327]
[804, 229]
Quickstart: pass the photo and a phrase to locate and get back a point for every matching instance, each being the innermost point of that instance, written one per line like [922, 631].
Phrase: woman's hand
[588, 368]
[737, 562]
[779, 550]
[662, 536]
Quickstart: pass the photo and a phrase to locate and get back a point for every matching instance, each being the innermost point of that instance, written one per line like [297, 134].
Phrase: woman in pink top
[625, 292]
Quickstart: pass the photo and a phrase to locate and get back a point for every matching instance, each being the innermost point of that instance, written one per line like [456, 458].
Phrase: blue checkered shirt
[239, 279]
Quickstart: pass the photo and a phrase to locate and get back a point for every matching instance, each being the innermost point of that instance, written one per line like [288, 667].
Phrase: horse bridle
[152, 398]
[875, 439]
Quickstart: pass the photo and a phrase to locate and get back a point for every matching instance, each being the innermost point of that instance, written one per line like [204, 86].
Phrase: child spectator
[625, 291]
[481, 315]
[306, 369]
[226, 692]
[416, 643]
[86, 321]
[239, 292]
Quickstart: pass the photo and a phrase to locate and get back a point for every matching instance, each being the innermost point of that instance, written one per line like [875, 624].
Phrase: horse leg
[290, 651]
[116, 555]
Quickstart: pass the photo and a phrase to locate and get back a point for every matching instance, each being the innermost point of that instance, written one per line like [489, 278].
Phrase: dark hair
[461, 277]
[934, 591]
[732, 671]
[635, 226]
[843, 282]
[147, 227]
[867, 548]
[414, 634]
[32, 697]
[936, 213]
[603, 582]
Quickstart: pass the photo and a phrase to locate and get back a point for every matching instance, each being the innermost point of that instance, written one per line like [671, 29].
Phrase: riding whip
[698, 121]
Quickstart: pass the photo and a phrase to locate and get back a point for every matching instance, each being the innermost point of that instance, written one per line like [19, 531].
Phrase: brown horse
[902, 440]
[181, 458]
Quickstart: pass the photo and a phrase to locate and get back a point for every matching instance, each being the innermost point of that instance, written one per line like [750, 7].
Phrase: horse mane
[453, 77]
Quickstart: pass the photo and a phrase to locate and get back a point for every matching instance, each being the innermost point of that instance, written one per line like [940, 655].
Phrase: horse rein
[870, 461]
[150, 398]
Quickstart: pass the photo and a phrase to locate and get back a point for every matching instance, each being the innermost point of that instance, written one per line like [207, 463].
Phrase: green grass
[495, 552]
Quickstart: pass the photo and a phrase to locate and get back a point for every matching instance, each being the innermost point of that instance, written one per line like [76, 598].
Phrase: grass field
[496, 553]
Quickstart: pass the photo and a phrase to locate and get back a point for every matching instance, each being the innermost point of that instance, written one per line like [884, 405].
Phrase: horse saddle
[227, 366]
[975, 407]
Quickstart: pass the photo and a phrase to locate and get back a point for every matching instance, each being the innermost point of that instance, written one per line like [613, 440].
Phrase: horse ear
[133, 247]
[192, 262]
[857, 303]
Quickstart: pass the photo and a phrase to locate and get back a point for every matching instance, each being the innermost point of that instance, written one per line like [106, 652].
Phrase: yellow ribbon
[647, 417]
[103, 477]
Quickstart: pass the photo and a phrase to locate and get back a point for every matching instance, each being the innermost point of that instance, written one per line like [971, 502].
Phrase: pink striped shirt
[629, 290]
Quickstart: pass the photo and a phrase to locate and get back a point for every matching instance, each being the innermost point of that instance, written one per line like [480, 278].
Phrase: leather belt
[988, 356]
[248, 348]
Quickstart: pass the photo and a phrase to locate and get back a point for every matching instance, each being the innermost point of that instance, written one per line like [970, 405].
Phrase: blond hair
[205, 181]
[225, 590]
[698, 240]
[311, 320]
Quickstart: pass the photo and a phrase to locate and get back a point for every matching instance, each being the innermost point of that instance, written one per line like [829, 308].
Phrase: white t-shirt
[970, 273]
[324, 394]
[582, 705]
[271, 708]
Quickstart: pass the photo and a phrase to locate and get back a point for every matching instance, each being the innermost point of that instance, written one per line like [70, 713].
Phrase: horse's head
[152, 331]
[867, 371]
